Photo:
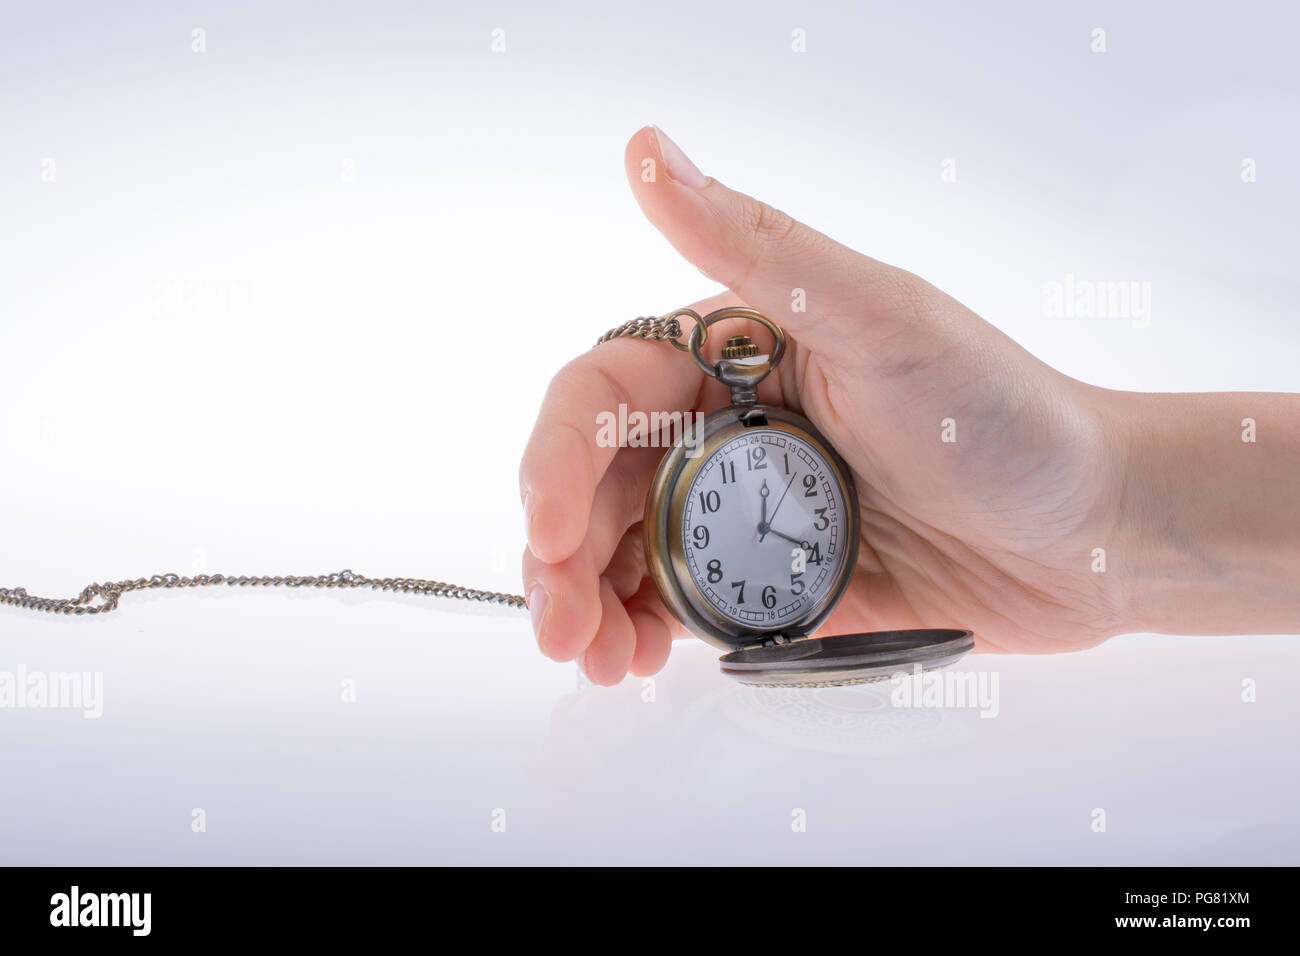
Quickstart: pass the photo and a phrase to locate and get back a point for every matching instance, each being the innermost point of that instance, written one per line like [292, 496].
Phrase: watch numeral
[769, 597]
[810, 486]
[740, 598]
[786, 456]
[823, 522]
[815, 555]
[710, 501]
[701, 536]
[755, 459]
[796, 585]
[715, 571]
[725, 466]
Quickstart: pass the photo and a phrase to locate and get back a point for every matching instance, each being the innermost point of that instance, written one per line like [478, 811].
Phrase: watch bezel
[665, 553]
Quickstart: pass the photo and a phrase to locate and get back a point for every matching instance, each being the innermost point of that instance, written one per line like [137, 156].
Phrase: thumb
[813, 286]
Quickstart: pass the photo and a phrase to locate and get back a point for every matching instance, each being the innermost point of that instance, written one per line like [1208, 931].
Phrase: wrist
[1207, 528]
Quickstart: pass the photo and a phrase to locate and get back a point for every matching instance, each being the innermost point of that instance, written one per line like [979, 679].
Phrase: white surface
[217, 353]
[233, 705]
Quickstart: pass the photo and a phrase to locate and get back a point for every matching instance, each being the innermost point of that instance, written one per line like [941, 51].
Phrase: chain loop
[667, 328]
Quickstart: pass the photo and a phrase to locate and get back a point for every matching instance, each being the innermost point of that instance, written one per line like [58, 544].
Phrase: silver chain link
[108, 595]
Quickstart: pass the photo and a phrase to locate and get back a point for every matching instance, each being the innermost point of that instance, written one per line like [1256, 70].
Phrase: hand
[986, 479]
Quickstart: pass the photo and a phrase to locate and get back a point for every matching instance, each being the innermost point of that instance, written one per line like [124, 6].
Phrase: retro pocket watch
[751, 537]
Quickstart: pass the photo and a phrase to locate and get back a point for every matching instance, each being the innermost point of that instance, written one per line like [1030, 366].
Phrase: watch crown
[739, 346]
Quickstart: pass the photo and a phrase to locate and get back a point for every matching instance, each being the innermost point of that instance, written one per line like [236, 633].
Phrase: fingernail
[538, 600]
[680, 168]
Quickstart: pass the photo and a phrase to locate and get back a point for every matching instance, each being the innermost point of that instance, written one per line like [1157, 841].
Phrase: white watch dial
[765, 528]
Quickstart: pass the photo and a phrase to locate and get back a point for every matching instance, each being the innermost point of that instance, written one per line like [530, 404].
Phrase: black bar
[333, 905]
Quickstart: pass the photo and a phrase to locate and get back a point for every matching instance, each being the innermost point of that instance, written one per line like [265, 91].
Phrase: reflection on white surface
[234, 705]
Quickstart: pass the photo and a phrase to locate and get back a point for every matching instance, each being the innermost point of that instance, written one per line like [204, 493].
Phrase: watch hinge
[775, 640]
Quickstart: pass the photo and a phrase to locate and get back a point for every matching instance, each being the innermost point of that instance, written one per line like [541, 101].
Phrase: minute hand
[782, 499]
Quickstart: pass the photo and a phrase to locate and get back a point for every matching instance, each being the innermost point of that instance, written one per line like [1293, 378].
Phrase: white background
[290, 304]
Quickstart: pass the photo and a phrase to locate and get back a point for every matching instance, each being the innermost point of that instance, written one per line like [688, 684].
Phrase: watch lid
[847, 658]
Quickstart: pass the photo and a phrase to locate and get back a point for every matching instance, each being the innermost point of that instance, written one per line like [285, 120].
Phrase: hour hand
[802, 544]
[762, 520]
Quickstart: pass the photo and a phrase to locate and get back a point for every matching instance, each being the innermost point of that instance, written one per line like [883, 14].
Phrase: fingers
[567, 454]
[653, 624]
[569, 588]
[607, 659]
[612, 621]
[655, 629]
[635, 637]
[760, 253]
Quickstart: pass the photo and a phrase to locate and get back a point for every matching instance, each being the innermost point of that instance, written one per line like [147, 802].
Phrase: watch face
[765, 529]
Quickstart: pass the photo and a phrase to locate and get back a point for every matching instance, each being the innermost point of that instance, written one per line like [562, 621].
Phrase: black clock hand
[762, 520]
[802, 544]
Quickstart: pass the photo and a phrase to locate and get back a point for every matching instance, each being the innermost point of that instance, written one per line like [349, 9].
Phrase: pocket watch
[751, 536]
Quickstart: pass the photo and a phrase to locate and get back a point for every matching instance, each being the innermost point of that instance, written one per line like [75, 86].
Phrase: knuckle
[585, 381]
[770, 226]
[567, 380]
[766, 233]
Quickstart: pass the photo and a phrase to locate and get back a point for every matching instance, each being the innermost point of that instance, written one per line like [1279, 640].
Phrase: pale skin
[997, 531]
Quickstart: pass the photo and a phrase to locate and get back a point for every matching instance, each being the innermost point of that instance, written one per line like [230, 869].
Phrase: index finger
[564, 460]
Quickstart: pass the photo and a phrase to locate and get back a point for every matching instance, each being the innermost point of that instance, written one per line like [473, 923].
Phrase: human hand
[986, 479]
